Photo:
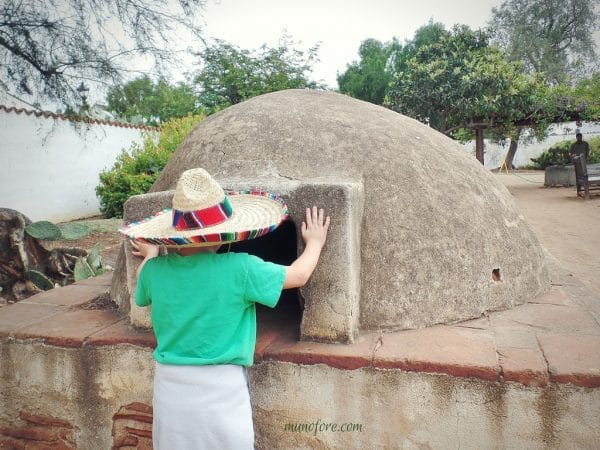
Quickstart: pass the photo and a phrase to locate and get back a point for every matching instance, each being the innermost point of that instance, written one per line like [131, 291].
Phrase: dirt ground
[103, 231]
[567, 226]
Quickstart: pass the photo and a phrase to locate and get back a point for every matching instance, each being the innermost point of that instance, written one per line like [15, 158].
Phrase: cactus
[82, 270]
[94, 259]
[48, 231]
[90, 266]
[39, 279]
[43, 230]
[72, 230]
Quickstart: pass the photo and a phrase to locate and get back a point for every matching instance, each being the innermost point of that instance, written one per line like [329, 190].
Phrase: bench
[587, 176]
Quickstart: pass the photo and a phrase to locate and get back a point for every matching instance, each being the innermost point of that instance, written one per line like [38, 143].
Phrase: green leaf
[94, 259]
[43, 230]
[82, 270]
[73, 230]
[39, 279]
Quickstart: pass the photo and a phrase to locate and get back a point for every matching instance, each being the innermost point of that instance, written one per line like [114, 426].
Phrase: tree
[155, 102]
[586, 96]
[230, 75]
[550, 36]
[428, 34]
[49, 47]
[461, 82]
[368, 78]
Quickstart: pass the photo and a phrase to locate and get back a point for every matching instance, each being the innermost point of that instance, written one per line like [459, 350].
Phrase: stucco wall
[93, 388]
[392, 409]
[494, 153]
[49, 167]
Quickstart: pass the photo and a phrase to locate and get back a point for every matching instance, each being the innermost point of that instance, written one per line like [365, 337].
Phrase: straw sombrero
[203, 214]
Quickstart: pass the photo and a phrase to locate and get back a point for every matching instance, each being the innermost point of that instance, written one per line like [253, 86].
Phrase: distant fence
[49, 163]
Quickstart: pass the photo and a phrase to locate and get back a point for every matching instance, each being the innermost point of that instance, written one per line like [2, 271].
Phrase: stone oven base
[75, 376]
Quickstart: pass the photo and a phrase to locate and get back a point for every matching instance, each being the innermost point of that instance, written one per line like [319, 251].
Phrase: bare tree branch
[47, 47]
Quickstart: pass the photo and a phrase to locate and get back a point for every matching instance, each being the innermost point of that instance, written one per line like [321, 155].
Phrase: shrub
[558, 154]
[135, 170]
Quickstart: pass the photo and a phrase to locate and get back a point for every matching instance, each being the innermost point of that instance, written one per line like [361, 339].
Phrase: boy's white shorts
[201, 407]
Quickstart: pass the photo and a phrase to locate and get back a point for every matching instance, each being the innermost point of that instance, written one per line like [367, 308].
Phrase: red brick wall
[37, 432]
[132, 427]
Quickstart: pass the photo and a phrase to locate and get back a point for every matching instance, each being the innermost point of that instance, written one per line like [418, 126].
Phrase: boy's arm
[314, 234]
[146, 251]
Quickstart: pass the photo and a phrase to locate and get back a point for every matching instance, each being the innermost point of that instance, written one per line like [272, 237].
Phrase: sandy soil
[567, 226]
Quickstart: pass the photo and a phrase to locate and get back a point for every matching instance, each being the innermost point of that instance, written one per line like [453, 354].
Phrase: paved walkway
[553, 338]
[567, 226]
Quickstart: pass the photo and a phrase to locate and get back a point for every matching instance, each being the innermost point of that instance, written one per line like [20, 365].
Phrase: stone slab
[515, 336]
[456, 351]
[555, 296]
[548, 317]
[69, 328]
[572, 358]
[71, 295]
[341, 356]
[523, 365]
[20, 315]
[122, 332]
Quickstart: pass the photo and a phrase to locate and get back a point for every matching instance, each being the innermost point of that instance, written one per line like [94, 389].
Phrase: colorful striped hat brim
[255, 213]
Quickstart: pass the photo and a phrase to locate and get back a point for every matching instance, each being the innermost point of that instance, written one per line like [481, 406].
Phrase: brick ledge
[552, 339]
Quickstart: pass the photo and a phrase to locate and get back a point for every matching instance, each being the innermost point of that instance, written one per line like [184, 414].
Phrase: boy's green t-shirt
[203, 305]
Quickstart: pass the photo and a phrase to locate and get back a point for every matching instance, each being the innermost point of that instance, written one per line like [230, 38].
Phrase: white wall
[49, 167]
[495, 153]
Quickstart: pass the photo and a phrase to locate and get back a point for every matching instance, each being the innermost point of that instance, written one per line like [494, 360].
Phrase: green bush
[135, 170]
[558, 154]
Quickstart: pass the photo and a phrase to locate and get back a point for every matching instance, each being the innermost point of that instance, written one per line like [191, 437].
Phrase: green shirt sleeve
[141, 292]
[264, 281]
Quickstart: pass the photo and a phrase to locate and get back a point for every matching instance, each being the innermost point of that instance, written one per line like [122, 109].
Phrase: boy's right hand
[143, 249]
[314, 234]
[314, 230]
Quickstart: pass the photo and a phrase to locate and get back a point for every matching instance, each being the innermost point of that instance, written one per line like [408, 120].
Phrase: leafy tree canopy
[368, 78]
[49, 47]
[155, 102]
[428, 34]
[587, 95]
[229, 75]
[550, 36]
[460, 81]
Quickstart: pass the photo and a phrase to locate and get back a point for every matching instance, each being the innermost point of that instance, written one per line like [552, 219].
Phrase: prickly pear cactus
[72, 231]
[40, 280]
[90, 266]
[43, 230]
[26, 265]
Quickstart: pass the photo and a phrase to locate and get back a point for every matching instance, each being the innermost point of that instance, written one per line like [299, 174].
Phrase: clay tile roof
[75, 118]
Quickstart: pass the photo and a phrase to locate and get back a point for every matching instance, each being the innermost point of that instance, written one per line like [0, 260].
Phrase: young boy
[203, 306]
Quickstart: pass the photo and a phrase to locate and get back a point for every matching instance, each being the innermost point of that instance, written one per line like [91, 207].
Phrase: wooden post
[479, 144]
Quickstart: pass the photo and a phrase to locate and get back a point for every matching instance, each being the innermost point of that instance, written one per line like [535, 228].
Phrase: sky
[339, 25]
